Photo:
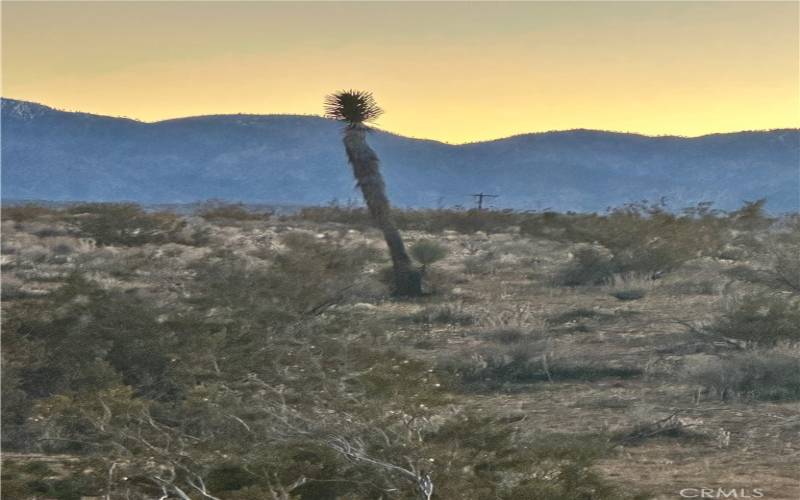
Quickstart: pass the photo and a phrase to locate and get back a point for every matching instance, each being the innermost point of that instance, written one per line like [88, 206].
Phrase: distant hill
[291, 160]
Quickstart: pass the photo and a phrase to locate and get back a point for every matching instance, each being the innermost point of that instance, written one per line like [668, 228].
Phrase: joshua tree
[355, 108]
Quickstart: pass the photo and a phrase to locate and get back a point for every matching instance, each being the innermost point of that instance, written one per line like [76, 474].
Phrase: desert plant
[629, 294]
[504, 366]
[446, 314]
[125, 224]
[760, 319]
[26, 212]
[580, 314]
[355, 108]
[756, 375]
[786, 268]
[214, 210]
[426, 252]
[588, 267]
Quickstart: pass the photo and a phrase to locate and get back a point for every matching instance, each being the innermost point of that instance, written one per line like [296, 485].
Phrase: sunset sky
[455, 72]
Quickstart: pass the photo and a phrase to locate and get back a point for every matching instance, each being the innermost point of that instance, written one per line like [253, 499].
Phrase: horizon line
[481, 141]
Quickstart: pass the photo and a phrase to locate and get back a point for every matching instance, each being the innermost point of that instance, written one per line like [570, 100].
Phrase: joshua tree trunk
[365, 163]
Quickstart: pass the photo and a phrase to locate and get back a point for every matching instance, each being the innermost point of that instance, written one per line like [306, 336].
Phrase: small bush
[431, 221]
[752, 375]
[761, 319]
[62, 249]
[26, 212]
[506, 335]
[125, 224]
[480, 264]
[445, 314]
[705, 287]
[671, 427]
[231, 212]
[643, 239]
[786, 268]
[521, 363]
[632, 294]
[580, 314]
[588, 267]
[426, 252]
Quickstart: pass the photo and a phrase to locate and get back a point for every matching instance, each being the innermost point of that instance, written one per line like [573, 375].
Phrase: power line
[480, 196]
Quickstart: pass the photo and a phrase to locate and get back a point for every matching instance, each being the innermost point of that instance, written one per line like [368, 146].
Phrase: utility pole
[480, 196]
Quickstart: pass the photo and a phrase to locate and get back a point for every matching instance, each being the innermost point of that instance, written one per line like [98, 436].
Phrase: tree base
[407, 283]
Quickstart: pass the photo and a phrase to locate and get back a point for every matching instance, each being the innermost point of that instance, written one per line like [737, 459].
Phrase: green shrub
[755, 375]
[426, 252]
[125, 224]
[522, 363]
[446, 314]
[27, 212]
[751, 216]
[480, 264]
[230, 477]
[506, 335]
[761, 319]
[580, 314]
[571, 481]
[230, 212]
[588, 267]
[705, 287]
[643, 239]
[431, 221]
[786, 267]
[632, 294]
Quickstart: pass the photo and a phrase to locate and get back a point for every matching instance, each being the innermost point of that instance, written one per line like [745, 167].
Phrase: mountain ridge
[298, 159]
[10, 101]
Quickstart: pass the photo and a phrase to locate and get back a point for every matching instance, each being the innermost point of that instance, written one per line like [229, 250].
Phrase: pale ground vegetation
[681, 384]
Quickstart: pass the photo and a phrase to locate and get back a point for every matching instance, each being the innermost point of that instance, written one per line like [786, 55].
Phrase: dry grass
[606, 365]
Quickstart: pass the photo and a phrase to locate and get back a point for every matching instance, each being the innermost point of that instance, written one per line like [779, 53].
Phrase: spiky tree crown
[352, 106]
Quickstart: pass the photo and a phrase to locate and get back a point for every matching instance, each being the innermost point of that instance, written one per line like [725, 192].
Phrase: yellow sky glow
[455, 72]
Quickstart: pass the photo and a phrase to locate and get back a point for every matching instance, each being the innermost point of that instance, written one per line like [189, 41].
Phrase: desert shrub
[751, 216]
[94, 338]
[13, 290]
[230, 477]
[564, 472]
[704, 287]
[755, 375]
[588, 267]
[761, 319]
[643, 239]
[786, 267]
[580, 314]
[630, 294]
[307, 277]
[493, 461]
[426, 252]
[670, 427]
[447, 314]
[51, 232]
[431, 221]
[352, 215]
[522, 363]
[461, 221]
[62, 248]
[482, 264]
[571, 482]
[775, 262]
[230, 211]
[27, 212]
[125, 224]
[506, 335]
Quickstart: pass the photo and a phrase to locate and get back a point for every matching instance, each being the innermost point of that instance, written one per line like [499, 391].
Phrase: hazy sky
[450, 71]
